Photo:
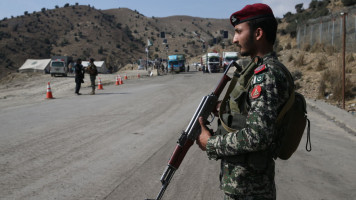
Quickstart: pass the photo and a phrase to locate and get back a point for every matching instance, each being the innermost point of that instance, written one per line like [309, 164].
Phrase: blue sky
[157, 8]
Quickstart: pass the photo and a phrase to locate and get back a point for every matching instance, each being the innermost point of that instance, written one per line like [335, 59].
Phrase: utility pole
[147, 58]
[343, 57]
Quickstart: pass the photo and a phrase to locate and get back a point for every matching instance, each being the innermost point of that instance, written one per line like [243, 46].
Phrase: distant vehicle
[142, 63]
[197, 66]
[211, 62]
[59, 65]
[228, 57]
[176, 63]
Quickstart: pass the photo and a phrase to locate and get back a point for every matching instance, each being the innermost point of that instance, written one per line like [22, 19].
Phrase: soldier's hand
[217, 109]
[204, 135]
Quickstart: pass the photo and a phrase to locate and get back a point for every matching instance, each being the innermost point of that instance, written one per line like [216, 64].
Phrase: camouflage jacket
[247, 167]
[92, 69]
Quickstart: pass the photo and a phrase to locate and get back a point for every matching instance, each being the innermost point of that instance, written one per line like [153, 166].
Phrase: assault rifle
[191, 133]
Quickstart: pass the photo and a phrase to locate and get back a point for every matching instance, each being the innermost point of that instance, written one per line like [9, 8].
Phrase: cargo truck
[59, 65]
[228, 57]
[211, 62]
[176, 63]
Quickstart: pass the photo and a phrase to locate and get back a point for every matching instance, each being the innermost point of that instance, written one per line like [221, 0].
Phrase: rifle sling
[223, 104]
[231, 87]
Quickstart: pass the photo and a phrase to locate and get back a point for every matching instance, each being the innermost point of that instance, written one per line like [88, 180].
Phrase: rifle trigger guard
[212, 118]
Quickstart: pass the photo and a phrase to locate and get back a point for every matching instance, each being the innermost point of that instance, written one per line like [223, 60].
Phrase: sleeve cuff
[210, 149]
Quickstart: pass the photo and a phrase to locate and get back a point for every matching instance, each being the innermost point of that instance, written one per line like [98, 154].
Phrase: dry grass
[331, 82]
[322, 75]
[306, 47]
[349, 58]
[321, 65]
[290, 58]
[300, 60]
[317, 47]
[330, 50]
[322, 90]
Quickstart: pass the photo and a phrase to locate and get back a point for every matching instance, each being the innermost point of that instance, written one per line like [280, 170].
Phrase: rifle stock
[186, 140]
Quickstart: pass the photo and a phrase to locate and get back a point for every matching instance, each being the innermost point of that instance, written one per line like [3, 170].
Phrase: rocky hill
[118, 36]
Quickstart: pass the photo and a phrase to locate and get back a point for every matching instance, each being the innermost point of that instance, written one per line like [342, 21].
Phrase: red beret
[250, 12]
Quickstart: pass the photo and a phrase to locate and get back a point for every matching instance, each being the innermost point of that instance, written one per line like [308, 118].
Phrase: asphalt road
[116, 144]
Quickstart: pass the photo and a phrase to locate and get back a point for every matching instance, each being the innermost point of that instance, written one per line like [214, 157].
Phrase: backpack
[291, 122]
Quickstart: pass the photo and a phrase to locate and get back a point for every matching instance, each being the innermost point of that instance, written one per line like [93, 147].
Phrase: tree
[299, 8]
[348, 2]
[101, 50]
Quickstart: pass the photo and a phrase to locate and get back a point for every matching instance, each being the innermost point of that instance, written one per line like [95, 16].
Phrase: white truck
[228, 57]
[211, 62]
[59, 65]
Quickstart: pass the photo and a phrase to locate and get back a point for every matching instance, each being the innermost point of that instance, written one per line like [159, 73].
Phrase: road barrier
[117, 81]
[49, 92]
[100, 86]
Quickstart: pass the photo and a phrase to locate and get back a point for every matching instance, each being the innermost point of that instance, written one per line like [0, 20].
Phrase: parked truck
[211, 62]
[228, 57]
[176, 63]
[59, 65]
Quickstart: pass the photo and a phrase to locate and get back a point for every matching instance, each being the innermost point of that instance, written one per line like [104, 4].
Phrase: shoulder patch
[258, 78]
[260, 69]
[256, 92]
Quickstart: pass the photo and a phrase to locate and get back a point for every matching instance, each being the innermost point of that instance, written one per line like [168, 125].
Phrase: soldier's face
[243, 38]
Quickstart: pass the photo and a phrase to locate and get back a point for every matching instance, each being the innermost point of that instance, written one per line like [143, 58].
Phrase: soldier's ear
[259, 33]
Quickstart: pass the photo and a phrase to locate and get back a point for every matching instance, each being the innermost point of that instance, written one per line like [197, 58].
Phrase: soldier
[246, 135]
[79, 75]
[93, 72]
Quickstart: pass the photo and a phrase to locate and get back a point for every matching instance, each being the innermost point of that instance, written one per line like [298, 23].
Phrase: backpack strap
[285, 108]
[291, 98]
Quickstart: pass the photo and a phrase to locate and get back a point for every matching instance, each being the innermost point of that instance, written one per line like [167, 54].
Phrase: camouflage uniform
[93, 72]
[247, 166]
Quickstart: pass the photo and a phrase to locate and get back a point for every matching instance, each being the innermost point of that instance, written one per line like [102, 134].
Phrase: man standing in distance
[93, 72]
[79, 75]
[246, 138]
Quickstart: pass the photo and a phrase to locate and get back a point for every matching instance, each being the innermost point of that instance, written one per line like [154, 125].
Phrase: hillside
[78, 31]
[117, 36]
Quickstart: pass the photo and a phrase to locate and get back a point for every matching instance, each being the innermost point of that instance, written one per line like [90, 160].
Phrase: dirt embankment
[319, 75]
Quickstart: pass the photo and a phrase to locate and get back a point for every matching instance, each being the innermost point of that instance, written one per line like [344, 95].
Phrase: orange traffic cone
[125, 77]
[49, 92]
[100, 86]
[117, 81]
[120, 80]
